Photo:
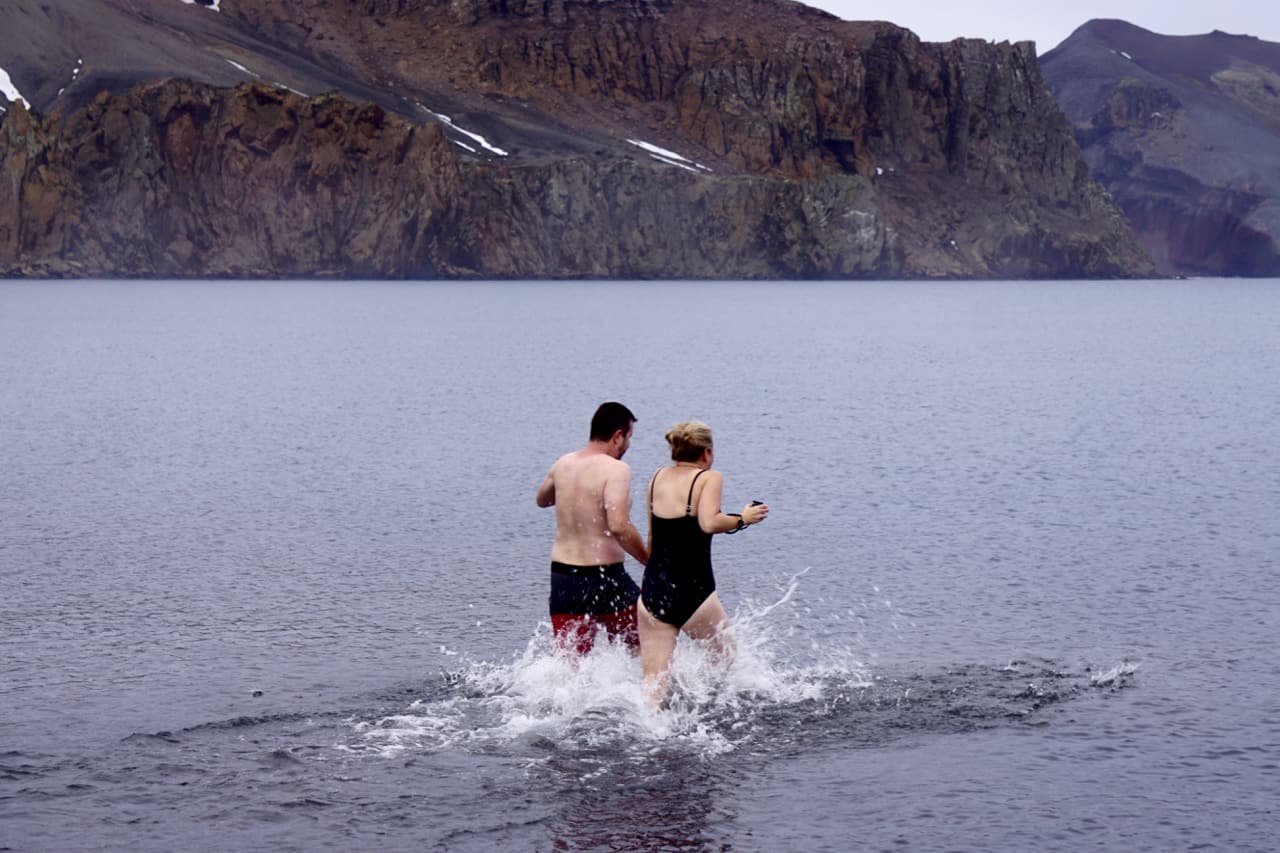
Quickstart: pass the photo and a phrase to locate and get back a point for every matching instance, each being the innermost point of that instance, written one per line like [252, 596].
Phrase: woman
[679, 589]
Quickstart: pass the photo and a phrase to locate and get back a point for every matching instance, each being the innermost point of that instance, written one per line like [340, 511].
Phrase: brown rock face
[502, 141]
[181, 179]
[1185, 133]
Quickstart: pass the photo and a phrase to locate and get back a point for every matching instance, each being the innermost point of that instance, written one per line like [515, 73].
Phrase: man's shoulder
[601, 466]
[615, 467]
[567, 459]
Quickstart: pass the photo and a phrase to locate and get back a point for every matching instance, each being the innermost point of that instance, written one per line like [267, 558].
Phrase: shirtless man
[591, 491]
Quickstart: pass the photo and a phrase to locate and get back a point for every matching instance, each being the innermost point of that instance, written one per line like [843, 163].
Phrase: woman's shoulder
[710, 475]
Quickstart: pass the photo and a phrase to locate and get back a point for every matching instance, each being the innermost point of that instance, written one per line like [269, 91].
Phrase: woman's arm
[712, 520]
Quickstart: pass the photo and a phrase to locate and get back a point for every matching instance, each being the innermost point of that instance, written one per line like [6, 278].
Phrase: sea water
[272, 576]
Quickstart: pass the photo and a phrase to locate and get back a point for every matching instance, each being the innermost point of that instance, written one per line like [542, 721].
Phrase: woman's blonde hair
[688, 440]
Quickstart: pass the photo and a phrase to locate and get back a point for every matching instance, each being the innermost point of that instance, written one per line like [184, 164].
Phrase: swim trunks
[678, 578]
[584, 597]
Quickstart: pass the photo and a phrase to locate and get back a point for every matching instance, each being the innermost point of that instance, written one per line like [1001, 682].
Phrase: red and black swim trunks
[584, 597]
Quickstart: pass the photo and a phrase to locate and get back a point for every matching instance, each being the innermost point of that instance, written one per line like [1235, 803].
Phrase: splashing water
[545, 696]
[544, 701]
[1114, 676]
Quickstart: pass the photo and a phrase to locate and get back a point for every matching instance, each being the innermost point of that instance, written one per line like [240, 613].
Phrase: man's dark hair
[610, 418]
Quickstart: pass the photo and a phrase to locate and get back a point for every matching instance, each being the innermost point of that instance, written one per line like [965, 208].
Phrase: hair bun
[688, 440]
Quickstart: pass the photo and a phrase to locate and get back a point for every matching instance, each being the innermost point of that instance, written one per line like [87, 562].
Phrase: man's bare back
[591, 491]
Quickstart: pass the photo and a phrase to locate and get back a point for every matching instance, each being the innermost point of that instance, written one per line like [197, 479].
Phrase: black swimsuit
[678, 578]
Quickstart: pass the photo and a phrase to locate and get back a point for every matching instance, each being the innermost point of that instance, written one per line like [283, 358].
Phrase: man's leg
[621, 626]
[574, 632]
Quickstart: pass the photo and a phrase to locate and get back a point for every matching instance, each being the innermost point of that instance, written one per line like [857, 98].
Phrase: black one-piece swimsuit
[678, 578]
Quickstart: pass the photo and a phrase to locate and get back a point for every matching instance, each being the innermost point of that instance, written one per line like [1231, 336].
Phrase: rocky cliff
[507, 138]
[1185, 133]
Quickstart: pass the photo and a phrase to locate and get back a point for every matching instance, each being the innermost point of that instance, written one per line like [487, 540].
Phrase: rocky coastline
[574, 139]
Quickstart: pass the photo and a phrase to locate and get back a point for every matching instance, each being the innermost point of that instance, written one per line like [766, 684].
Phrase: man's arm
[617, 508]
[547, 491]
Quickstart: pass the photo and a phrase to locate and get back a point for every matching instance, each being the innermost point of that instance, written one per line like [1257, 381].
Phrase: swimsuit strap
[688, 506]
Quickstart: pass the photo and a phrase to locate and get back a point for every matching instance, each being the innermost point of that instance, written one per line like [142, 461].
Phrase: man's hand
[547, 492]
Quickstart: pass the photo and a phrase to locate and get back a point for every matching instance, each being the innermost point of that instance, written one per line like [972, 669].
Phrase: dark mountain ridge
[636, 138]
[1184, 131]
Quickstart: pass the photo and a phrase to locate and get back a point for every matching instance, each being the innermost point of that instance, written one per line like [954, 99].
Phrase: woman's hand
[754, 513]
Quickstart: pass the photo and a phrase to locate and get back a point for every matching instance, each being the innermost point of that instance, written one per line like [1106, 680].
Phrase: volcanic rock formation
[1185, 133]
[508, 138]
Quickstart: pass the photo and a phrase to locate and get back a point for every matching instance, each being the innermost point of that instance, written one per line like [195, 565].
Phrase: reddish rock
[1184, 131]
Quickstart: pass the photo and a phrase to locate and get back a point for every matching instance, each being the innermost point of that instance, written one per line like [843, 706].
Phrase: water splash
[543, 698]
[543, 702]
[1116, 676]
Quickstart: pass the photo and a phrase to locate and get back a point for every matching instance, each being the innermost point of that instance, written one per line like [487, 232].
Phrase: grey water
[272, 576]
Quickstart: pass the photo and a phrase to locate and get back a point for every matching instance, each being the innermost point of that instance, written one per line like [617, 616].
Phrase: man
[591, 491]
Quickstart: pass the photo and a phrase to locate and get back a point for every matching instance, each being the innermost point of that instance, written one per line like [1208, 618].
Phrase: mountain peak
[1185, 133]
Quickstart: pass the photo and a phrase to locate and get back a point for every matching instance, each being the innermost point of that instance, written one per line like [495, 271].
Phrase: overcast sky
[1047, 24]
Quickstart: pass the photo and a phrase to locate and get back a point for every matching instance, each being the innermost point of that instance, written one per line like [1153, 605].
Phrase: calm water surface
[272, 577]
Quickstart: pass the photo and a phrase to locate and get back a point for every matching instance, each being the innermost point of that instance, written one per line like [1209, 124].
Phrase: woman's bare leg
[710, 622]
[657, 644]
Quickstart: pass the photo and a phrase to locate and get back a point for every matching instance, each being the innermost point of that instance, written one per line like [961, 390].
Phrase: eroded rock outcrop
[778, 141]
[182, 179]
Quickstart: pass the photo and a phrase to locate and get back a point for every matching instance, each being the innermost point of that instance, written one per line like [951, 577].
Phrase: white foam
[1115, 674]
[599, 699]
[214, 5]
[541, 692]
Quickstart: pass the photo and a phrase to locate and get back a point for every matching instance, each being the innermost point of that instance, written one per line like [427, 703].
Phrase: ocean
[272, 576]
